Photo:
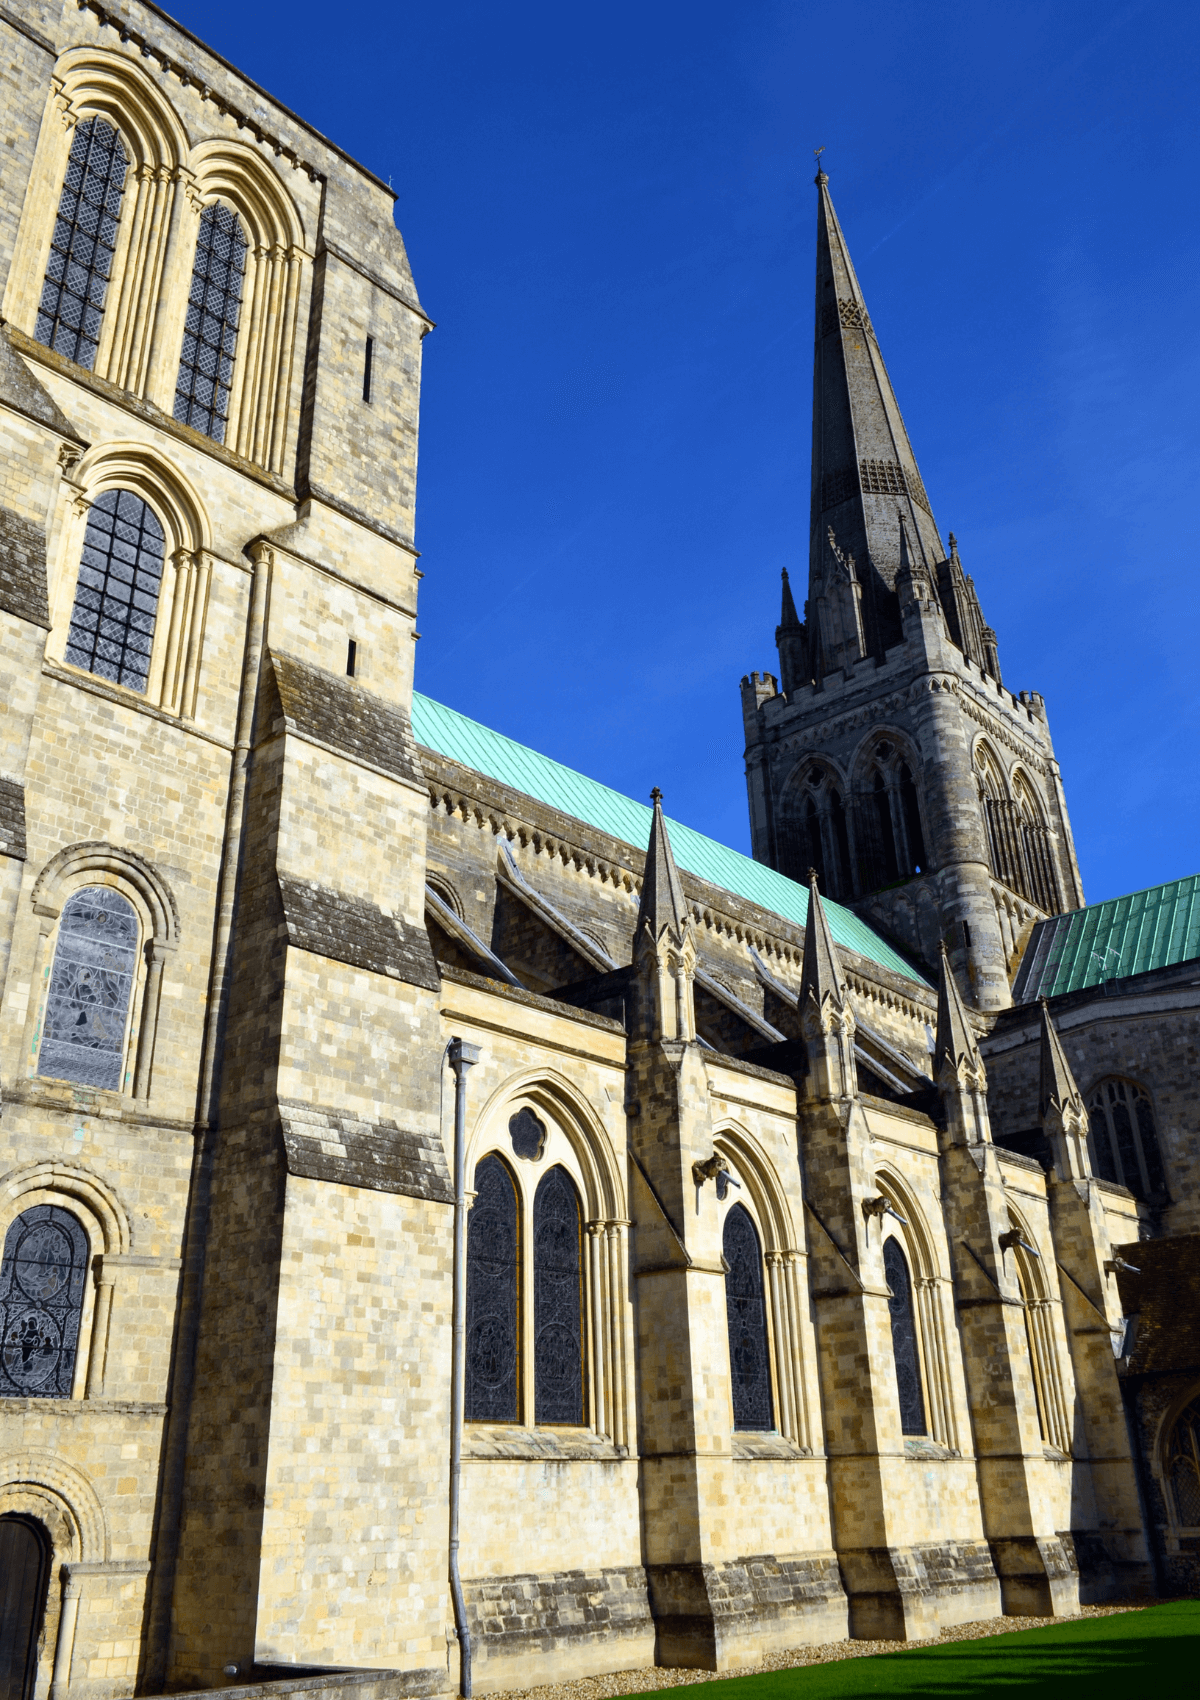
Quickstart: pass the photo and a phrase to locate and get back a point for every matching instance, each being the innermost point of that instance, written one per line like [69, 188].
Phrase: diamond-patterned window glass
[81, 249]
[116, 598]
[41, 1301]
[493, 1250]
[83, 1036]
[557, 1301]
[1124, 1139]
[904, 1339]
[211, 327]
[1183, 1466]
[749, 1363]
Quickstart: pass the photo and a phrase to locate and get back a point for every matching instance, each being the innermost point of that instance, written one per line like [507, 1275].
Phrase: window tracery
[87, 1007]
[904, 1339]
[116, 596]
[42, 1287]
[204, 382]
[1125, 1145]
[1182, 1461]
[749, 1360]
[818, 835]
[557, 1300]
[83, 244]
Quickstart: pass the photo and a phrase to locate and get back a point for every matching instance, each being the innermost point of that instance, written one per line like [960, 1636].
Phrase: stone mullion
[131, 241]
[282, 376]
[202, 573]
[597, 1304]
[148, 285]
[785, 1414]
[933, 1349]
[802, 1370]
[171, 652]
[1056, 1408]
[269, 360]
[239, 429]
[618, 1322]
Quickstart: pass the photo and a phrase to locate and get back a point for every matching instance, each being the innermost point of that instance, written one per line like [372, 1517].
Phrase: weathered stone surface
[326, 1146]
[346, 717]
[348, 929]
[23, 568]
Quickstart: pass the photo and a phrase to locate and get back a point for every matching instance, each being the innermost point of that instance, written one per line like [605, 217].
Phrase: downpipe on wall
[462, 1057]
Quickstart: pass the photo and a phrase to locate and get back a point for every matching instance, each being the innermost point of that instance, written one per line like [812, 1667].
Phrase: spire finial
[821, 970]
[663, 903]
[821, 177]
[656, 795]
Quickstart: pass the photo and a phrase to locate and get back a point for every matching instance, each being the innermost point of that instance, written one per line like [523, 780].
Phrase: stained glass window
[81, 249]
[749, 1364]
[528, 1134]
[88, 1002]
[1183, 1466]
[211, 327]
[493, 1248]
[904, 1339]
[557, 1301]
[1124, 1140]
[41, 1301]
[116, 598]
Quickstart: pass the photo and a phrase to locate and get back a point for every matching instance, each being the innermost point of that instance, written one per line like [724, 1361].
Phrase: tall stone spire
[863, 465]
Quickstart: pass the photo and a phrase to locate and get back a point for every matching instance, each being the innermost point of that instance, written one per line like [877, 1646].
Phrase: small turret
[791, 640]
[958, 1067]
[664, 946]
[1060, 1107]
[826, 1017]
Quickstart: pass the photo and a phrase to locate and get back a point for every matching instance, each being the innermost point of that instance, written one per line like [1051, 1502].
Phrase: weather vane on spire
[817, 152]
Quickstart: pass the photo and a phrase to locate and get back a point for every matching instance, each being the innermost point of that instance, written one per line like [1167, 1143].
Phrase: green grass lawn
[1138, 1655]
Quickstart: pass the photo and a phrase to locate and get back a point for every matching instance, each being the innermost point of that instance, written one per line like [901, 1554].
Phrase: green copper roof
[1108, 941]
[475, 746]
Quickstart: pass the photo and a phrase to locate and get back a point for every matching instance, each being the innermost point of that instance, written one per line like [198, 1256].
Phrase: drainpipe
[462, 1057]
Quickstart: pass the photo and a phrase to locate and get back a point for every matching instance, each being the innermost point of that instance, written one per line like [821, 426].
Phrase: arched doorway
[24, 1572]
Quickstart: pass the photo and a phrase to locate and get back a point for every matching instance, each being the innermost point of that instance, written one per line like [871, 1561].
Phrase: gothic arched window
[87, 1006]
[557, 1301]
[83, 244]
[911, 810]
[904, 1338]
[211, 328]
[749, 1363]
[1124, 1139]
[1182, 1462]
[493, 1252]
[41, 1302]
[116, 597]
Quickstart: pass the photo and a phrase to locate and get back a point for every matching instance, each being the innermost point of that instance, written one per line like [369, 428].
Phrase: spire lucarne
[863, 466]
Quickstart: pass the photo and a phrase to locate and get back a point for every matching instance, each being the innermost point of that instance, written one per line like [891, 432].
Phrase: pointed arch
[559, 1097]
[1038, 1297]
[932, 1297]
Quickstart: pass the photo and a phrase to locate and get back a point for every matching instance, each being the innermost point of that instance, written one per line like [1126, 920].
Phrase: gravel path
[659, 1676]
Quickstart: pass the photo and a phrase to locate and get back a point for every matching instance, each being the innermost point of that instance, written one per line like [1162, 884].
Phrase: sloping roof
[1111, 940]
[472, 745]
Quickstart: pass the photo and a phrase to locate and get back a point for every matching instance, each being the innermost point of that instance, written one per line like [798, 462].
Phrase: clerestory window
[83, 244]
[116, 597]
[202, 389]
[1124, 1139]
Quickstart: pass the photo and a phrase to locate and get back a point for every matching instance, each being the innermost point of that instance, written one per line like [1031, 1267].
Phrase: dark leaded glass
[528, 1134]
[557, 1301]
[1183, 1466]
[86, 1009]
[116, 598]
[749, 1364]
[493, 1246]
[81, 249]
[904, 1339]
[210, 330]
[41, 1301]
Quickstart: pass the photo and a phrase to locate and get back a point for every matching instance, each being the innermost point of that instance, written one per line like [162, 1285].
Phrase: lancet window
[91, 986]
[525, 1301]
[1124, 1139]
[905, 1350]
[116, 596]
[1019, 841]
[1053, 1423]
[83, 244]
[42, 1285]
[1182, 1461]
[819, 837]
[202, 388]
[891, 842]
[749, 1360]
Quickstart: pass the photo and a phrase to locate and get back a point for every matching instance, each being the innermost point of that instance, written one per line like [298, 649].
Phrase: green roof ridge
[476, 746]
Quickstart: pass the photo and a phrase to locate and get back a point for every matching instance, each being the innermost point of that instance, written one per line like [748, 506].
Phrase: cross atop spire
[663, 904]
[863, 462]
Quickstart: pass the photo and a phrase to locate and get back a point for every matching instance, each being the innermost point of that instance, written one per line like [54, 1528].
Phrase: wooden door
[24, 1563]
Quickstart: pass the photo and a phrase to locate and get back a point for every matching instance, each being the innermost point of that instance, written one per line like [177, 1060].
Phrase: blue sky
[610, 215]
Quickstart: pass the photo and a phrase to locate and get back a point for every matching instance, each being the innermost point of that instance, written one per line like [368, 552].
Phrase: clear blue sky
[610, 215]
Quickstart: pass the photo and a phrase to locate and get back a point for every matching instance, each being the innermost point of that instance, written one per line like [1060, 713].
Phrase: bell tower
[887, 753]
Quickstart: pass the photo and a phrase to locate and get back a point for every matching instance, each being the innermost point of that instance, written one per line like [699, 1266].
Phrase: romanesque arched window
[493, 1329]
[205, 377]
[91, 984]
[83, 244]
[904, 1338]
[749, 1362]
[25, 1556]
[116, 596]
[557, 1300]
[1124, 1139]
[42, 1280]
[1182, 1466]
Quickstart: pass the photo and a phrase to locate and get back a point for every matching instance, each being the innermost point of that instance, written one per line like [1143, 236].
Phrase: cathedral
[463, 1228]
